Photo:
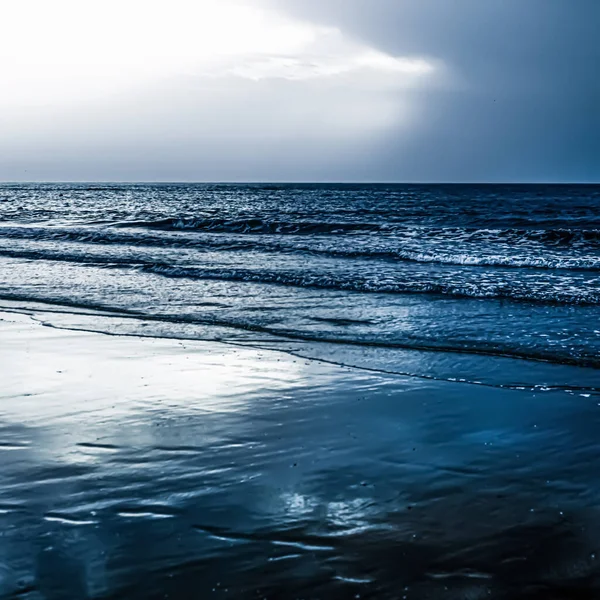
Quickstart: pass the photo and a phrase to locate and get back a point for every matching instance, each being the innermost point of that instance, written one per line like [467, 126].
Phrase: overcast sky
[300, 90]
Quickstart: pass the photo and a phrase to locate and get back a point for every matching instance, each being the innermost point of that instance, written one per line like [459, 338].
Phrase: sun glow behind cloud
[191, 89]
[69, 50]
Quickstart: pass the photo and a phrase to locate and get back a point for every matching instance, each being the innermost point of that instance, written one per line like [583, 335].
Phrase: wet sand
[148, 468]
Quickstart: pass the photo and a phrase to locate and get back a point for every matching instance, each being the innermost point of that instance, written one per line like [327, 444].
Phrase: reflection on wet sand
[140, 468]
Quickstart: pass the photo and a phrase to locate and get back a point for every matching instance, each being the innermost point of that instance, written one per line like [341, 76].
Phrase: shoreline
[427, 363]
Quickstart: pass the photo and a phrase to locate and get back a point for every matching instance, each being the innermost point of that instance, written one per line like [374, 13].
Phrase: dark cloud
[525, 100]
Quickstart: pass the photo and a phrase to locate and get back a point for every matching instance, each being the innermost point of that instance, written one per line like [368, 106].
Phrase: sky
[300, 90]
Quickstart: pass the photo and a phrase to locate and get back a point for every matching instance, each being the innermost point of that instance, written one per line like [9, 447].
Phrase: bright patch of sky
[66, 51]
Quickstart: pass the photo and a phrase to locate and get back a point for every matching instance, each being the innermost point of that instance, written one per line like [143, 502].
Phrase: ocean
[443, 274]
[299, 391]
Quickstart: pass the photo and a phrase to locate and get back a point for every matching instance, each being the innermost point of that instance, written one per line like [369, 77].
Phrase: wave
[471, 260]
[553, 237]
[354, 283]
[445, 283]
[256, 225]
[478, 257]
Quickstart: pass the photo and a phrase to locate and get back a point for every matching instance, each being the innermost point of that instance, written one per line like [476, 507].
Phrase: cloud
[201, 89]
[326, 53]
[361, 62]
[67, 51]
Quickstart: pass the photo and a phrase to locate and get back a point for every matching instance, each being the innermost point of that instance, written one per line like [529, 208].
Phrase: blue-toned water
[500, 270]
[443, 444]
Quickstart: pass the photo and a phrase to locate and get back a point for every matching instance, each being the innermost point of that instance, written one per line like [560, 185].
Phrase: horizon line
[290, 182]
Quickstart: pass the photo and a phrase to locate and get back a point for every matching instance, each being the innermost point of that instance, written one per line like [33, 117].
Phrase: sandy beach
[153, 468]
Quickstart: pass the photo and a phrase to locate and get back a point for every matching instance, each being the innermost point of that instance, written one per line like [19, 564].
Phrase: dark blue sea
[465, 318]
[500, 270]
